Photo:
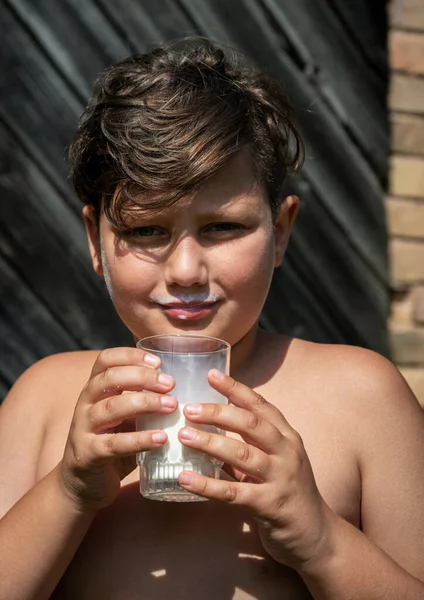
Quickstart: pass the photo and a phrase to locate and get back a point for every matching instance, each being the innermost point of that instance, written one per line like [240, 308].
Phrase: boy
[180, 161]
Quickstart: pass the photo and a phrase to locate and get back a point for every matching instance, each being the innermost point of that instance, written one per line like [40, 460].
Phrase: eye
[142, 232]
[224, 227]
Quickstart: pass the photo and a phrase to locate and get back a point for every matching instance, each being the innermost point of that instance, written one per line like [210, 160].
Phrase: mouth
[189, 311]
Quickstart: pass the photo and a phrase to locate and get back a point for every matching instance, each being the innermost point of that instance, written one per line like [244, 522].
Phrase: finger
[109, 445]
[244, 457]
[253, 428]
[241, 395]
[129, 378]
[232, 492]
[114, 357]
[113, 410]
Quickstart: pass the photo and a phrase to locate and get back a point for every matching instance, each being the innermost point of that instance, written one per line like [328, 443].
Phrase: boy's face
[202, 266]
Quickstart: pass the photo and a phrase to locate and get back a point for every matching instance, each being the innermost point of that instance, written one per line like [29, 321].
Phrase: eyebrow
[231, 209]
[220, 212]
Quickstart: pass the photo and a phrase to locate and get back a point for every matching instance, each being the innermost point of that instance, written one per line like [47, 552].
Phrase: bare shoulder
[45, 377]
[383, 423]
[353, 376]
[359, 393]
[49, 386]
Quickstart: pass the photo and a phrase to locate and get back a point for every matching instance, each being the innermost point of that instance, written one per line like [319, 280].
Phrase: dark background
[331, 57]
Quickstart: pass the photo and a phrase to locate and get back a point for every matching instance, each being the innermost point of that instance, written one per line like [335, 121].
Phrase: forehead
[235, 183]
[235, 187]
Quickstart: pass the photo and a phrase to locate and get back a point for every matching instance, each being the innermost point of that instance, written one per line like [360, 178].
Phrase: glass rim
[225, 346]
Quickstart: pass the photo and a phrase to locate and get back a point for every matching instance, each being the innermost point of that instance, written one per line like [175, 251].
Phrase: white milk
[192, 387]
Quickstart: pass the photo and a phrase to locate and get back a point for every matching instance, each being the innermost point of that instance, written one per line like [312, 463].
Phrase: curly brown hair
[159, 124]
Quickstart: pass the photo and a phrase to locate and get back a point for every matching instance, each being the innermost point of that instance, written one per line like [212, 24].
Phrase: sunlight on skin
[246, 528]
[159, 573]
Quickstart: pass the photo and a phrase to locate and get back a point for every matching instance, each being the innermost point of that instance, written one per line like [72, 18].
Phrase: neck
[243, 353]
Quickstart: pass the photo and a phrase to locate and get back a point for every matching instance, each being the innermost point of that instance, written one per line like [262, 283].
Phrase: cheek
[249, 264]
[128, 276]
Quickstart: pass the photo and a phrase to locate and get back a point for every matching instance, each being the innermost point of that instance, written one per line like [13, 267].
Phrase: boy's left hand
[274, 477]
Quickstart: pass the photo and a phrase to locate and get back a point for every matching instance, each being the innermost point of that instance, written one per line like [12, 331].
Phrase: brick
[418, 304]
[406, 262]
[415, 379]
[402, 310]
[407, 176]
[407, 345]
[405, 217]
[406, 93]
[407, 133]
[406, 51]
[407, 14]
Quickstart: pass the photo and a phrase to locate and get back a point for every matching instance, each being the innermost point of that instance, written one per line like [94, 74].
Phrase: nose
[186, 265]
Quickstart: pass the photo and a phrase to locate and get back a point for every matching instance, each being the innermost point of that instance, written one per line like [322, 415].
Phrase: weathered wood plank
[28, 331]
[69, 32]
[292, 308]
[323, 290]
[340, 73]
[38, 107]
[47, 241]
[366, 24]
[342, 285]
[136, 27]
[171, 21]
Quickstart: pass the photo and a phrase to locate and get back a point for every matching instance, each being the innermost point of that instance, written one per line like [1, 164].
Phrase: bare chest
[141, 549]
[149, 550]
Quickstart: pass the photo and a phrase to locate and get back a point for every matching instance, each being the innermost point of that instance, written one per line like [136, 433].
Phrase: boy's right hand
[99, 451]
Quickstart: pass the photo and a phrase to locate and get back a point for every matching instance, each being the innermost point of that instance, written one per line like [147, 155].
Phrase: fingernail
[194, 409]
[188, 434]
[165, 379]
[149, 359]
[217, 374]
[159, 437]
[168, 401]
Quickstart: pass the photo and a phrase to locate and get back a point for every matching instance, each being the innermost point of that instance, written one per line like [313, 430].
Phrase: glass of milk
[188, 359]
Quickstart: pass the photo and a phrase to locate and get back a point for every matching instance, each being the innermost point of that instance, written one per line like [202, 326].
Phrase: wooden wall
[330, 56]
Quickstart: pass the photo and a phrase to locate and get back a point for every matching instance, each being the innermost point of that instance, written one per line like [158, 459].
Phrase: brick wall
[405, 203]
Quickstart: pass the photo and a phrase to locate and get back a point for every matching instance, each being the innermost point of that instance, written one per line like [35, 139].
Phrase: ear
[282, 226]
[93, 238]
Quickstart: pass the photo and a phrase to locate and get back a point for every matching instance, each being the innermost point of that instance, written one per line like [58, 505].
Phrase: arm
[40, 528]
[39, 537]
[274, 480]
[357, 568]
[386, 559]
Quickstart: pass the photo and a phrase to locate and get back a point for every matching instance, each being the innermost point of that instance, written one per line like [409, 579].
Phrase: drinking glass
[187, 358]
